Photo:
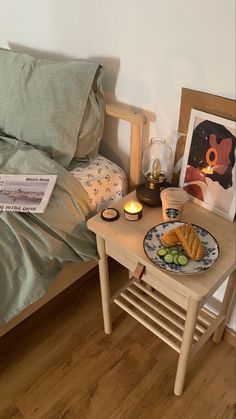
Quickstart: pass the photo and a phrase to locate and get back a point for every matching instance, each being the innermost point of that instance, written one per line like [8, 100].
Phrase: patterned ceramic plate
[152, 244]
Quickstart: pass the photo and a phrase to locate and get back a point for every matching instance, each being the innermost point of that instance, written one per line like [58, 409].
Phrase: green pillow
[57, 107]
[91, 129]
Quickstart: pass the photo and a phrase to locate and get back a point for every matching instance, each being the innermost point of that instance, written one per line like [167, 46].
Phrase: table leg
[190, 324]
[104, 284]
[225, 306]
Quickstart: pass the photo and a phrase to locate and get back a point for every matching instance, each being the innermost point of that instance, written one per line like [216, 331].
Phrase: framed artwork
[209, 169]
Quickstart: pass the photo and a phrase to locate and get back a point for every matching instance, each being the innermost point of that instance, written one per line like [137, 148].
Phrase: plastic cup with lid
[173, 200]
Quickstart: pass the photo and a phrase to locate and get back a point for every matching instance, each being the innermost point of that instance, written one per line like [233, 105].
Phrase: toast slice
[190, 241]
[170, 238]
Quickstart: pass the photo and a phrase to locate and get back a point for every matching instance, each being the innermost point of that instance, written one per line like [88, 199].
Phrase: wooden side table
[169, 305]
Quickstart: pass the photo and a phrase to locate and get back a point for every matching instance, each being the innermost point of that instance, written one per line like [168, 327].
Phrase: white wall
[151, 50]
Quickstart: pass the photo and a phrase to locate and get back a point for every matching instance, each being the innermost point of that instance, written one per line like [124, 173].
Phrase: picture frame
[208, 171]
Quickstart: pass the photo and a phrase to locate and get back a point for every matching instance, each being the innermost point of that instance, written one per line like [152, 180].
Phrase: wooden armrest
[121, 112]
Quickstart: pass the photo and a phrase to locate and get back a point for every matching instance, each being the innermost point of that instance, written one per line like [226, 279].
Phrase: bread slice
[170, 238]
[190, 241]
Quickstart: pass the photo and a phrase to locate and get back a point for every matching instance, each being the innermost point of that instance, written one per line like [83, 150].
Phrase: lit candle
[133, 210]
[208, 170]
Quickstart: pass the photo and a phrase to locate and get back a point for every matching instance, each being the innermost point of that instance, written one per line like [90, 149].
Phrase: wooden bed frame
[77, 270]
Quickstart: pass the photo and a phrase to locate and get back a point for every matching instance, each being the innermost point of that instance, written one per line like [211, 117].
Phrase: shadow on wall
[110, 146]
[113, 129]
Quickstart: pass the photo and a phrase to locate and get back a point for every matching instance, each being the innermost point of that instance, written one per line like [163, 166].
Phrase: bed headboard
[137, 120]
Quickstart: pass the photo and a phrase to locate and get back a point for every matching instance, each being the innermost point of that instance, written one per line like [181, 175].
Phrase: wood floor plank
[60, 364]
[12, 412]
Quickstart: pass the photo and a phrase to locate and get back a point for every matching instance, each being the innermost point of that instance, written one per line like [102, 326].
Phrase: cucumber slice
[174, 252]
[176, 259]
[169, 258]
[182, 260]
[174, 248]
[162, 252]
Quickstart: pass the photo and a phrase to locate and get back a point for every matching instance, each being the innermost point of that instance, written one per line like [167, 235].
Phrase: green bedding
[34, 247]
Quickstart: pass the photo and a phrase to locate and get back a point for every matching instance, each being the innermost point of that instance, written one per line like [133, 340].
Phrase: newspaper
[25, 193]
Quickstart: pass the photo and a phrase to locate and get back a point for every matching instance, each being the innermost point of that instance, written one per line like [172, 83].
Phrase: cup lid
[174, 194]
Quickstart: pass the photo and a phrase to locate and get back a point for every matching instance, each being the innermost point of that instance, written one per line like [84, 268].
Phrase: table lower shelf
[162, 316]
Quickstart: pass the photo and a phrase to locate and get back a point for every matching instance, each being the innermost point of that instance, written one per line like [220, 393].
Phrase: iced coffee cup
[173, 200]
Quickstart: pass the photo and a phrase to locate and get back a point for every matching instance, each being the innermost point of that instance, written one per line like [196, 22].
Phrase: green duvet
[34, 247]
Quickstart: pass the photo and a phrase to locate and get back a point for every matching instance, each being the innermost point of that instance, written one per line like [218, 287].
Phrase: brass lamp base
[149, 193]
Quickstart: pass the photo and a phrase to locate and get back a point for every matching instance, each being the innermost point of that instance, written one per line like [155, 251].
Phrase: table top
[129, 235]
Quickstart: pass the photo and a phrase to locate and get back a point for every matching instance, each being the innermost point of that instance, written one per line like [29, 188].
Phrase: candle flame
[133, 207]
[208, 170]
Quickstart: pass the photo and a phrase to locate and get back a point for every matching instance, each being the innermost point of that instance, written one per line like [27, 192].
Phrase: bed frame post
[137, 120]
[135, 160]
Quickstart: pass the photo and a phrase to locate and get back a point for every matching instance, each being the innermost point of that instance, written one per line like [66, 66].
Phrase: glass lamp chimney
[156, 160]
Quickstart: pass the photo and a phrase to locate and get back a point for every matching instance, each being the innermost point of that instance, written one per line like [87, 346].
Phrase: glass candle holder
[133, 210]
[156, 160]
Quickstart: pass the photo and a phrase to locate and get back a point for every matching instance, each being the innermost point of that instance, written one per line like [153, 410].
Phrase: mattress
[103, 180]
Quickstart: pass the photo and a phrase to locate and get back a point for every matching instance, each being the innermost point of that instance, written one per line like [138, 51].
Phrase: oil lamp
[156, 163]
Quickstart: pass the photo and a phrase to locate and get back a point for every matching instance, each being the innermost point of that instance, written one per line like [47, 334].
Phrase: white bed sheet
[104, 181]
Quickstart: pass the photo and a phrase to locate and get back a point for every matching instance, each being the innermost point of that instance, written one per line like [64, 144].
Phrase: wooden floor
[60, 364]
